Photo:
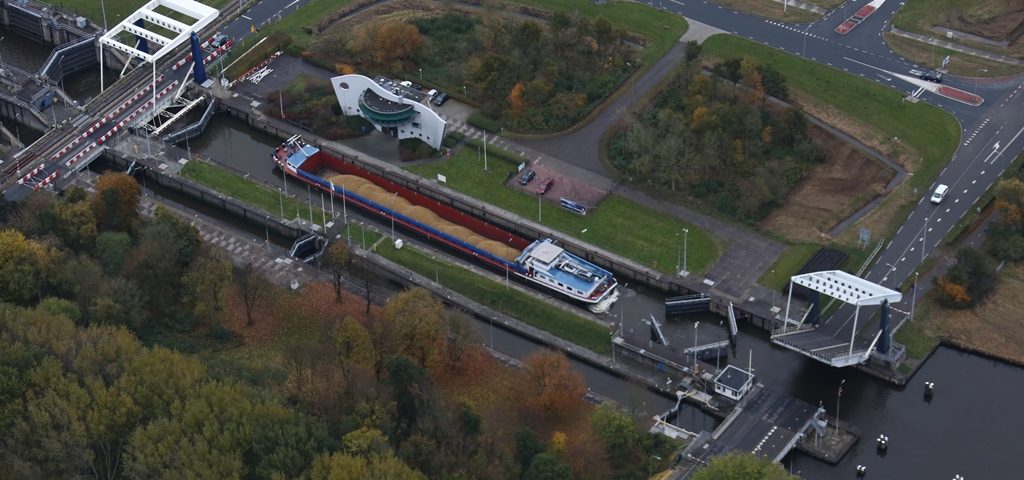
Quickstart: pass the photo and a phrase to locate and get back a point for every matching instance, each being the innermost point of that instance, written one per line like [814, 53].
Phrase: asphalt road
[991, 132]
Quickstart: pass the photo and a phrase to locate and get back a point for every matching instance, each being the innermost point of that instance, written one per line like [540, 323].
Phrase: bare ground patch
[830, 192]
[996, 327]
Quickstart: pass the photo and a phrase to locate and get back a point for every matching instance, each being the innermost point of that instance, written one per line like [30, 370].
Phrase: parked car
[526, 177]
[440, 98]
[545, 186]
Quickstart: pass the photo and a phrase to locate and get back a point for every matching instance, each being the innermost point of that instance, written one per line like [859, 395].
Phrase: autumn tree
[338, 260]
[206, 283]
[341, 466]
[741, 466]
[253, 288]
[1005, 234]
[554, 389]
[516, 102]
[619, 432]
[116, 201]
[353, 347]
[970, 281]
[25, 267]
[415, 315]
[165, 250]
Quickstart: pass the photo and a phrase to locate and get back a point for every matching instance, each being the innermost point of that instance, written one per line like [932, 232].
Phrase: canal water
[969, 427]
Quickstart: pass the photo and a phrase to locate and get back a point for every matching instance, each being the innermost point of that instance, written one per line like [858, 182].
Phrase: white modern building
[395, 109]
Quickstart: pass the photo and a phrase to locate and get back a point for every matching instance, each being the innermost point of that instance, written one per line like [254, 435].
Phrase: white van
[940, 193]
[406, 84]
[431, 93]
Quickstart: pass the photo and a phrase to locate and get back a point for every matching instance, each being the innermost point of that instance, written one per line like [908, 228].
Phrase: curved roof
[383, 111]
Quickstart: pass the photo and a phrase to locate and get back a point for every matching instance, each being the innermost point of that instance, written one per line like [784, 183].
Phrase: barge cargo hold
[541, 262]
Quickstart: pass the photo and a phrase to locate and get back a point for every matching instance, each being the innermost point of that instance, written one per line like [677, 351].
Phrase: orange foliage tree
[553, 388]
[953, 293]
[116, 202]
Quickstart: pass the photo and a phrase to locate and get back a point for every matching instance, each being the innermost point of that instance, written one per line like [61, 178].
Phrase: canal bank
[876, 407]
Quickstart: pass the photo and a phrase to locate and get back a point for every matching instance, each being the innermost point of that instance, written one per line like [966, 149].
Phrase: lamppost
[839, 395]
[980, 70]
[913, 299]
[695, 325]
[421, 74]
[393, 198]
[60, 66]
[464, 94]
[436, 278]
[686, 235]
[280, 200]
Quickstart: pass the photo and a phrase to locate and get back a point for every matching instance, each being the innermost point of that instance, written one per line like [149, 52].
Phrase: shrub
[414, 149]
[484, 123]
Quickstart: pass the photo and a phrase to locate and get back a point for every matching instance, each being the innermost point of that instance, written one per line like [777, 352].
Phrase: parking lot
[561, 186]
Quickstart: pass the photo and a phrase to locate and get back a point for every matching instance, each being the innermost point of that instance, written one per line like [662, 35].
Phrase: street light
[421, 74]
[913, 299]
[686, 235]
[980, 70]
[695, 325]
[393, 198]
[839, 395]
[280, 200]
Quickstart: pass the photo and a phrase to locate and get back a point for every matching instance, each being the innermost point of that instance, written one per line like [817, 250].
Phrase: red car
[545, 186]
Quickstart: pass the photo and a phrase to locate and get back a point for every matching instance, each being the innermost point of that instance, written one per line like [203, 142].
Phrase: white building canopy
[160, 30]
[847, 288]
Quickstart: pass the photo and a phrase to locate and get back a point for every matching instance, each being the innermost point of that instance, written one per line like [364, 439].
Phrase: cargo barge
[541, 262]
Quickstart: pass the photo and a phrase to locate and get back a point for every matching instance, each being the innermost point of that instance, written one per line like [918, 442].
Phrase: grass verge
[618, 225]
[918, 342]
[959, 63]
[770, 10]
[493, 294]
[661, 29]
[787, 265]
[116, 10]
[238, 187]
[930, 131]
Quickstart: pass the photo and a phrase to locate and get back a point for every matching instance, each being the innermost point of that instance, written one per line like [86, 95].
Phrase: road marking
[290, 4]
[245, 17]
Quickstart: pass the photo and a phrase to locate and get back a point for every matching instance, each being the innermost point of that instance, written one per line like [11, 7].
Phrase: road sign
[442, 178]
[945, 61]
[865, 236]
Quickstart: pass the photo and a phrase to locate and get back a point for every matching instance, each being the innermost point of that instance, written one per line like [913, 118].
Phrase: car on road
[219, 40]
[928, 75]
[440, 98]
[939, 193]
[526, 177]
[545, 186]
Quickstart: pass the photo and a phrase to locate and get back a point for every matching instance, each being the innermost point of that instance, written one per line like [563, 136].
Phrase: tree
[253, 288]
[206, 283]
[25, 267]
[116, 202]
[111, 250]
[619, 432]
[166, 248]
[415, 315]
[693, 50]
[741, 466]
[546, 466]
[353, 347]
[364, 442]
[554, 388]
[341, 466]
[338, 261]
[527, 447]
[74, 224]
[408, 390]
[953, 294]
[516, 103]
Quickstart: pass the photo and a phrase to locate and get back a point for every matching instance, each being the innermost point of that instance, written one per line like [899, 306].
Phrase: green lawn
[247, 191]
[930, 131]
[493, 294]
[661, 29]
[787, 265]
[618, 225]
[117, 10]
[917, 342]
